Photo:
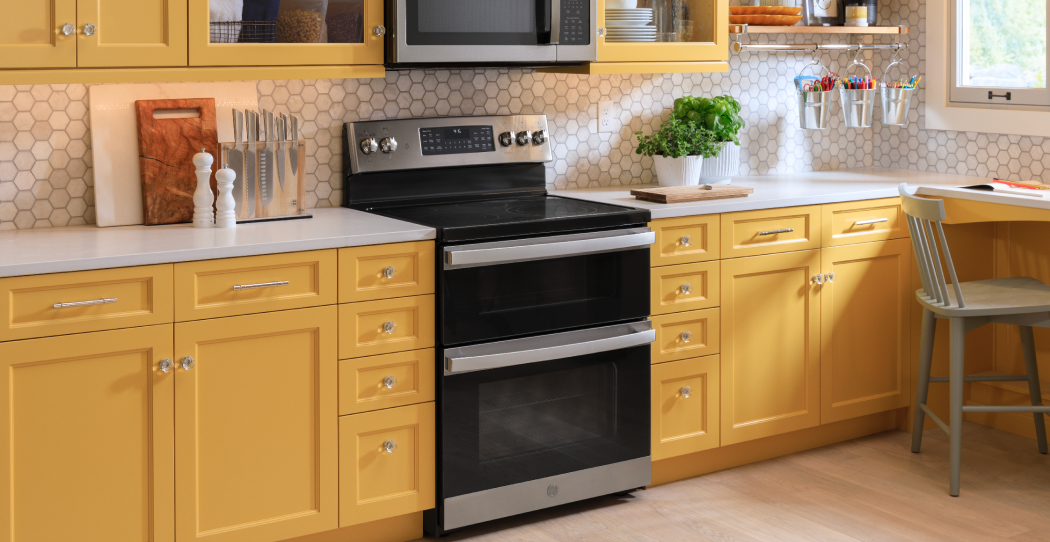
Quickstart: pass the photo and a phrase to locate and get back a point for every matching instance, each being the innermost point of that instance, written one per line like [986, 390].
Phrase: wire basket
[244, 32]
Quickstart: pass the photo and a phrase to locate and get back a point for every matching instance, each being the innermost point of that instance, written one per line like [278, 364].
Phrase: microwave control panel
[575, 22]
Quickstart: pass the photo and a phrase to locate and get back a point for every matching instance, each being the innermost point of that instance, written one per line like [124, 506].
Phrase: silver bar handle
[555, 21]
[872, 221]
[544, 348]
[544, 248]
[274, 284]
[103, 301]
[774, 232]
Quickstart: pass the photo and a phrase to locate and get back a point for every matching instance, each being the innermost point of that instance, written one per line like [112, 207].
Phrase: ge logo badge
[552, 490]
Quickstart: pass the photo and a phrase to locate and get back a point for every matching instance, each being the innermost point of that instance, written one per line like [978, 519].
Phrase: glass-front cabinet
[286, 32]
[660, 33]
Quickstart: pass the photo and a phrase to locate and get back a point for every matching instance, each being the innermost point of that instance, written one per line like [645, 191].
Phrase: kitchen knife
[236, 160]
[266, 164]
[251, 169]
[294, 154]
[280, 149]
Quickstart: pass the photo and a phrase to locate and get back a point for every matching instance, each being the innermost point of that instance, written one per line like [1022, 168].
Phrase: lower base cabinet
[684, 407]
[386, 463]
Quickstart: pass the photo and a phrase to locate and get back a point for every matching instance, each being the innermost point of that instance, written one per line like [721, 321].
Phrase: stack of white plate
[625, 25]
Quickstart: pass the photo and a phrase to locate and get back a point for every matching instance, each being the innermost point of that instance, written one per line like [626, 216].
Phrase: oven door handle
[547, 347]
[544, 248]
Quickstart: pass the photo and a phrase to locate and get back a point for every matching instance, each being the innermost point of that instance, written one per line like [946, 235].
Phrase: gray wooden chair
[1020, 301]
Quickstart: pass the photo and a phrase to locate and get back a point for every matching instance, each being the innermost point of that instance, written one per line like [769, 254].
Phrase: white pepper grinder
[203, 215]
[225, 217]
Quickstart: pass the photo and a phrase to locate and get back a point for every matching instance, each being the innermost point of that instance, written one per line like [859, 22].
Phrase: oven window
[515, 424]
[477, 22]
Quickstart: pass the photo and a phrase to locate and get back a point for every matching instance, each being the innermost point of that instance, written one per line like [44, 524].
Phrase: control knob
[538, 137]
[506, 139]
[369, 145]
[524, 137]
[388, 145]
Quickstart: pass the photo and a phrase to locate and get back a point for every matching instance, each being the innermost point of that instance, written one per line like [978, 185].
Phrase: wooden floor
[872, 488]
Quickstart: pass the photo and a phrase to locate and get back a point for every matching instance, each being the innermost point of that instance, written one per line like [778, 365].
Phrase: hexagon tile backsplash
[45, 164]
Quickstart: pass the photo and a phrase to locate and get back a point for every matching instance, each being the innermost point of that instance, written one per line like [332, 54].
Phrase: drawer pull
[819, 279]
[774, 232]
[830, 277]
[390, 446]
[686, 392]
[166, 365]
[872, 221]
[390, 272]
[686, 288]
[390, 382]
[686, 336]
[103, 301]
[274, 284]
[389, 327]
[188, 363]
[686, 240]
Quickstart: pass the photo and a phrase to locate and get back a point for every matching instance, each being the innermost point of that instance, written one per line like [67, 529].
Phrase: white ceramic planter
[722, 168]
[682, 171]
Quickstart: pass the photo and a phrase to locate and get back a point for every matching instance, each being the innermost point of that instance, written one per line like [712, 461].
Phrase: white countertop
[810, 188]
[55, 250]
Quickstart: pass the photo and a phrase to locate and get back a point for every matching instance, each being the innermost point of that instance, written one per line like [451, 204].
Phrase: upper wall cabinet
[302, 33]
[34, 36]
[695, 32]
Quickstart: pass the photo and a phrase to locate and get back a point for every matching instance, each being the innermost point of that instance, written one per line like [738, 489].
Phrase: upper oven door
[512, 288]
[492, 31]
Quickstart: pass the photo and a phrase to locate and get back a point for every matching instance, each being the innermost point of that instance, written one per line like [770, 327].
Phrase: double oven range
[543, 342]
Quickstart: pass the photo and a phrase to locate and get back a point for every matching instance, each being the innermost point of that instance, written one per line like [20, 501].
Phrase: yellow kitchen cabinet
[706, 40]
[769, 231]
[683, 287]
[685, 335]
[684, 240]
[256, 426]
[383, 271]
[386, 463]
[386, 325]
[865, 323]
[684, 407]
[33, 35]
[131, 33]
[770, 350]
[389, 380]
[862, 222]
[88, 452]
[364, 49]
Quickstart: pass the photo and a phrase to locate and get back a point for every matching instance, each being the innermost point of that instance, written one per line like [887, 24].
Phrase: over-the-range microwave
[490, 32]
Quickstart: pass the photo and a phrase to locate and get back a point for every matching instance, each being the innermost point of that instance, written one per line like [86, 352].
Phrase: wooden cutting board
[166, 149]
[679, 194]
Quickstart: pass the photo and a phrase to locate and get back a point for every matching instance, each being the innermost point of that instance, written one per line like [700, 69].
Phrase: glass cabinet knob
[819, 279]
[390, 272]
[686, 288]
[389, 328]
[379, 30]
[830, 277]
[601, 31]
[390, 446]
[390, 382]
[686, 336]
[686, 240]
[89, 29]
[188, 363]
[68, 29]
[166, 365]
[686, 392]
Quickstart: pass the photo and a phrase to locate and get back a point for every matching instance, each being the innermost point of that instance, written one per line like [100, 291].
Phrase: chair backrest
[925, 216]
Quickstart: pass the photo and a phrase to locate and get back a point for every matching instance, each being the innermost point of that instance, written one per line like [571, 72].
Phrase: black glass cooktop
[522, 216]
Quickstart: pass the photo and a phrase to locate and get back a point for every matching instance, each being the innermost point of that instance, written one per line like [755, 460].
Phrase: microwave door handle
[466, 256]
[548, 347]
[555, 19]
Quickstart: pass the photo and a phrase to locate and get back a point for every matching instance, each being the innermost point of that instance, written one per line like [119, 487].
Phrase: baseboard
[395, 529]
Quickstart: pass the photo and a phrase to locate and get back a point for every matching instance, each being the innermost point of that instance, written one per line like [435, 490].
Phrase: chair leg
[922, 388]
[1032, 370]
[956, 377]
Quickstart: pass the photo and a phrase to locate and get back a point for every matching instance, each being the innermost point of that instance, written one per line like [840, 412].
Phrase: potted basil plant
[721, 116]
[678, 149]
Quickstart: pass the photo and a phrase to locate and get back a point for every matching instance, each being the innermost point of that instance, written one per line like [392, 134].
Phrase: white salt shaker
[203, 216]
[224, 204]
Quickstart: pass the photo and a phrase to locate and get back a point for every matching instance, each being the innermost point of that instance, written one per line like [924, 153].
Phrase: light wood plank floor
[870, 489]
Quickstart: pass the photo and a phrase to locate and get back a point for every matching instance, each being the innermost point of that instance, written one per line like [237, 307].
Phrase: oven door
[542, 421]
[513, 288]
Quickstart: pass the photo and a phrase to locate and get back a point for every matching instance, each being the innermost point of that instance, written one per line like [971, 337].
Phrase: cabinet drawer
[750, 233]
[684, 407]
[234, 286]
[684, 240]
[384, 271]
[390, 380]
[685, 335]
[684, 287]
[63, 303]
[387, 325]
[862, 221]
[386, 463]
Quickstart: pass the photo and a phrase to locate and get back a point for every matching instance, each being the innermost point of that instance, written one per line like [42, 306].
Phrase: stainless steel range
[543, 339]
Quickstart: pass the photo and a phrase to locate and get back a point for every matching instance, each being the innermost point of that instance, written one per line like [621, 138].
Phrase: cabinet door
[88, 447]
[770, 345]
[33, 37]
[130, 33]
[256, 426]
[702, 35]
[864, 329]
[346, 32]
[684, 407]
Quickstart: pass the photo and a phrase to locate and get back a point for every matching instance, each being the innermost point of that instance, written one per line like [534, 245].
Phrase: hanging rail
[737, 47]
[742, 30]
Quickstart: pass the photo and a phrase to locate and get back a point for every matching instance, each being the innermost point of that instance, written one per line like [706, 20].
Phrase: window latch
[990, 95]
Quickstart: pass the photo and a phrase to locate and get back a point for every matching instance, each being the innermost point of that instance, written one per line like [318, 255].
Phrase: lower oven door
[503, 289]
[531, 423]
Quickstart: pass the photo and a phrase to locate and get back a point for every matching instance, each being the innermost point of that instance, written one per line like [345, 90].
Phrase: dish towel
[260, 10]
[223, 11]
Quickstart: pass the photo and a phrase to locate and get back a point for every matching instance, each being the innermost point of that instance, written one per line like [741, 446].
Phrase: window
[998, 52]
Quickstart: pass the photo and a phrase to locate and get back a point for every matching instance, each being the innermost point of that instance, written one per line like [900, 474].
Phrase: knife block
[288, 201]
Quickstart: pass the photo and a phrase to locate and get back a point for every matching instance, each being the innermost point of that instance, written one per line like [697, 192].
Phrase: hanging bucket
[896, 102]
[858, 105]
[814, 106]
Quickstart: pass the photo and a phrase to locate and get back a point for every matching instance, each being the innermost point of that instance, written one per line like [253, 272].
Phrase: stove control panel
[456, 140]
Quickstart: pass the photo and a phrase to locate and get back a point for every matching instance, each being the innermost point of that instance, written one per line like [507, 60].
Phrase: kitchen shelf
[752, 29]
